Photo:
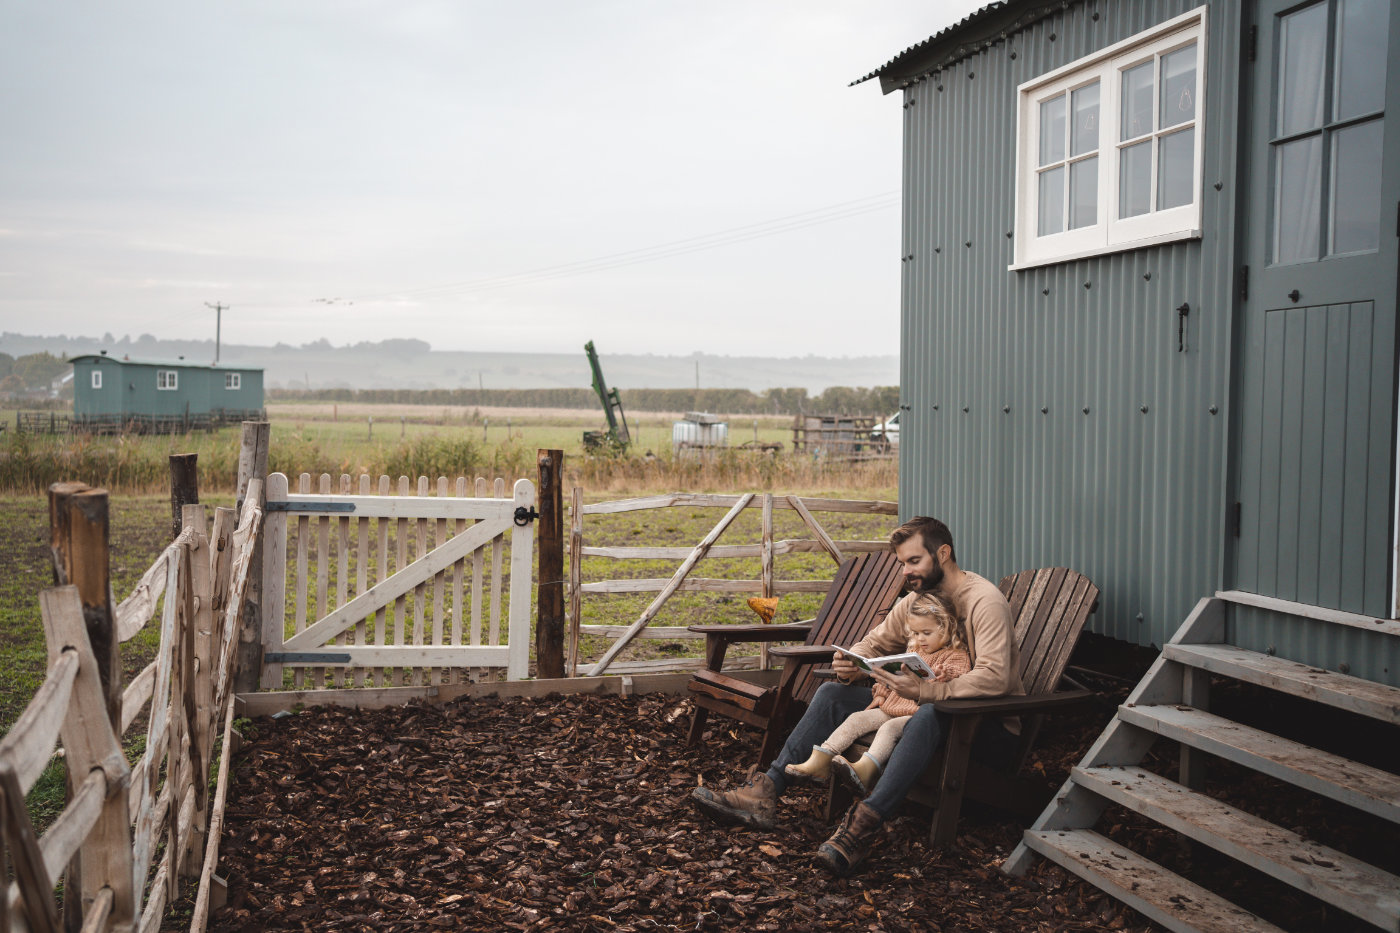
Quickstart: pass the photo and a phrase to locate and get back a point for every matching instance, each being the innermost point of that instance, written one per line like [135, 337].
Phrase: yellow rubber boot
[859, 776]
[817, 767]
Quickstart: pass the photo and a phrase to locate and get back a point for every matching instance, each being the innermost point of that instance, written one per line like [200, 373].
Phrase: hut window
[1109, 148]
[97, 378]
[233, 380]
[167, 379]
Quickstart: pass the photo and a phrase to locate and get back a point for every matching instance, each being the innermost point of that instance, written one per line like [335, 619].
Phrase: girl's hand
[905, 683]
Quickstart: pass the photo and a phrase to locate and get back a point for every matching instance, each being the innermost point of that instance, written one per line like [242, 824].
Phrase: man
[924, 547]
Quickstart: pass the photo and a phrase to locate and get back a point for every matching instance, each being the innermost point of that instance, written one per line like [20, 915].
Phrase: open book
[890, 662]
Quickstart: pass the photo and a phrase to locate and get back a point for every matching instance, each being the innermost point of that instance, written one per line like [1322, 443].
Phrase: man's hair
[934, 533]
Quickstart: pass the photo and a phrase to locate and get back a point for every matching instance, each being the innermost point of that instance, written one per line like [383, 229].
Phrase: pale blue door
[1313, 466]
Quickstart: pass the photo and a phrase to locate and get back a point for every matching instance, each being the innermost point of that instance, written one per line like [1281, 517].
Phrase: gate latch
[524, 516]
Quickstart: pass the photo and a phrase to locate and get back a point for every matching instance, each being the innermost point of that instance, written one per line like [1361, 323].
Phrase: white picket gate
[393, 587]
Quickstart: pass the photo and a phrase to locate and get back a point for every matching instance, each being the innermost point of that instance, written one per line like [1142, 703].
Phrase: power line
[786, 224]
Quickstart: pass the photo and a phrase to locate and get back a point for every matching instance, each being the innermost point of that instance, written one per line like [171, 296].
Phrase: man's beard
[926, 583]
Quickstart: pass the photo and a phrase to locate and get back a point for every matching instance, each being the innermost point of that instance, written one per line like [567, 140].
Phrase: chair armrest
[807, 654]
[790, 631]
[1010, 706]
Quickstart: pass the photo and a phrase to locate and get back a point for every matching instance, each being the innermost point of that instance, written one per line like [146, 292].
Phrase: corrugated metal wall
[1051, 419]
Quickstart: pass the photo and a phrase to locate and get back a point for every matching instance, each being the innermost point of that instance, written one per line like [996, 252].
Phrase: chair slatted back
[863, 592]
[1050, 607]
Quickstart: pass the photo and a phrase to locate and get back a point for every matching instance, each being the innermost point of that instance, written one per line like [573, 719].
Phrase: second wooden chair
[865, 588]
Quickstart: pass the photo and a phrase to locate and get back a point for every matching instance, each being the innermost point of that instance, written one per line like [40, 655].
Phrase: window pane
[1052, 202]
[1359, 72]
[1176, 159]
[1302, 69]
[1052, 130]
[1297, 193]
[1178, 87]
[1135, 180]
[1356, 177]
[1084, 193]
[1137, 101]
[1084, 134]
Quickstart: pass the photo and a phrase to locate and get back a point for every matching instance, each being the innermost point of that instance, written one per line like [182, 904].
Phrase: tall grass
[133, 464]
[730, 469]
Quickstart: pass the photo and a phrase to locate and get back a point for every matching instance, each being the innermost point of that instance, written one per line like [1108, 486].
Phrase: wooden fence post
[549, 629]
[252, 465]
[78, 528]
[79, 538]
[575, 577]
[184, 488]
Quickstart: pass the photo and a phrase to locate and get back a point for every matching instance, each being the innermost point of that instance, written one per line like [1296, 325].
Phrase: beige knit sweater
[996, 663]
[954, 663]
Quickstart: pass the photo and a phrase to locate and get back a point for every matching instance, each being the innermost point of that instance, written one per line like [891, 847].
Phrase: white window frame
[1108, 234]
[233, 381]
[96, 379]
[167, 380]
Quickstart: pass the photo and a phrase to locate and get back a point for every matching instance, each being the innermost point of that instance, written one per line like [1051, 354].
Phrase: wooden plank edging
[267, 703]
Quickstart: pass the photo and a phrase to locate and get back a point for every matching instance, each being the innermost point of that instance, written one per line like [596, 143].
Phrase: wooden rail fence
[118, 814]
[766, 550]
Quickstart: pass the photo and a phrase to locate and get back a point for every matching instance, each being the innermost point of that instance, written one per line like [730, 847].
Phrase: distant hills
[413, 364]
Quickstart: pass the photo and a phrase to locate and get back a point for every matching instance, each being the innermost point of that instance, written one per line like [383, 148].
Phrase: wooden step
[1357, 785]
[1335, 877]
[1142, 884]
[1353, 694]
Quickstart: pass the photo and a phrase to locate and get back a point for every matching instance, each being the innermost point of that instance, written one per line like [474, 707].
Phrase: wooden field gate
[393, 589]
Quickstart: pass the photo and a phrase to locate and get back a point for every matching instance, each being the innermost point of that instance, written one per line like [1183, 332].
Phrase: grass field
[414, 440]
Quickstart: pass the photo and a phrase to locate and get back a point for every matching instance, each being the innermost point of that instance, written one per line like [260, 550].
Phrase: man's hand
[845, 668]
[905, 683]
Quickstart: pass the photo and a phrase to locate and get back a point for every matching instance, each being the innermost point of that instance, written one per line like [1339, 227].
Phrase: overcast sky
[655, 176]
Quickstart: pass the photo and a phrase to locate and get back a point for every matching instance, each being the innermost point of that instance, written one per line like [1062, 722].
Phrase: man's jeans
[923, 736]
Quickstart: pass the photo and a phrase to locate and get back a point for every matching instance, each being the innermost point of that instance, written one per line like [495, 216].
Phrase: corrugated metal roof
[931, 54]
[187, 364]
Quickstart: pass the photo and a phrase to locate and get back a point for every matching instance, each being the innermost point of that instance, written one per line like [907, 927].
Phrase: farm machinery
[616, 437]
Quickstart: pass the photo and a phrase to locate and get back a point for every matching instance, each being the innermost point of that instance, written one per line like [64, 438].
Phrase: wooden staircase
[1172, 702]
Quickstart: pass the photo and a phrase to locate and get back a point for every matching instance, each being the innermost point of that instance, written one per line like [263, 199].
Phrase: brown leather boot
[850, 844]
[755, 804]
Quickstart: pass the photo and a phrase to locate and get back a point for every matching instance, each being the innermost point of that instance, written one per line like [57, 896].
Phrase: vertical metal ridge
[1129, 498]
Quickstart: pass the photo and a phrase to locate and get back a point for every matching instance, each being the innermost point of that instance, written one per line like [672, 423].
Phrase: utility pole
[219, 310]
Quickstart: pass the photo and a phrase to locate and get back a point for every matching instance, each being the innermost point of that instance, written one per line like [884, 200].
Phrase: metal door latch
[524, 516]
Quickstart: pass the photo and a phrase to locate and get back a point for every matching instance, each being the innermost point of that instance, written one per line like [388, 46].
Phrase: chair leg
[773, 737]
[838, 799]
[944, 831]
[697, 724]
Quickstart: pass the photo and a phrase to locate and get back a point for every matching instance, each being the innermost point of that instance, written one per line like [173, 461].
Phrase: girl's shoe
[817, 767]
[859, 776]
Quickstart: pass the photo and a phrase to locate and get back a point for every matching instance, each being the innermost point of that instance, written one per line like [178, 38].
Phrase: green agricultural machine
[616, 437]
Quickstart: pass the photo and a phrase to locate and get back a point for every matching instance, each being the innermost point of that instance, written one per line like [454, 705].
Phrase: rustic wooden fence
[766, 550]
[119, 814]
[381, 589]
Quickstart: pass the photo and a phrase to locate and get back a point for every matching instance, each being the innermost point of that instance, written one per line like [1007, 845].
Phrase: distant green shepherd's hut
[162, 395]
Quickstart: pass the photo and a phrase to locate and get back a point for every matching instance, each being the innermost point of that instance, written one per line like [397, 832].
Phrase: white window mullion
[1109, 232]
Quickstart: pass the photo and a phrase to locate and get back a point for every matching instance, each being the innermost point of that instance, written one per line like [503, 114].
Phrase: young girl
[937, 636]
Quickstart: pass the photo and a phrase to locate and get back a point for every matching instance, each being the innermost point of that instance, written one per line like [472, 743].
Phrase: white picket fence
[392, 588]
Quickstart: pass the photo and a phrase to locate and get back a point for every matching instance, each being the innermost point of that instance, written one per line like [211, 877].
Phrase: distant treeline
[880, 400]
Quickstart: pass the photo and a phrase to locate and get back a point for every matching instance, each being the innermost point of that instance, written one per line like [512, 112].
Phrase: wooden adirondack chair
[1050, 607]
[862, 593]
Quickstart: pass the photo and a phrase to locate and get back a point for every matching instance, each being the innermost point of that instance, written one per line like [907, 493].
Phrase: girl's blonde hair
[939, 609]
